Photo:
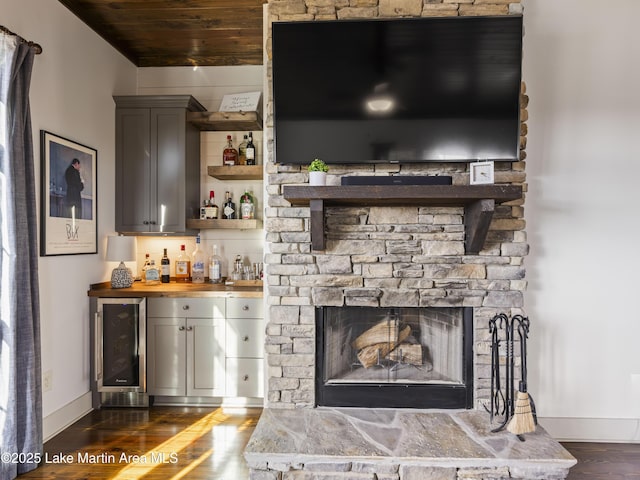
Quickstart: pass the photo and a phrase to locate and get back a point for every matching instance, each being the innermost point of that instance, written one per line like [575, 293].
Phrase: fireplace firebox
[394, 357]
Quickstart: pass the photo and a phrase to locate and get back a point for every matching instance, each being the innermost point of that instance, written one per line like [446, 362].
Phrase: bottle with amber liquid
[242, 151]
[183, 266]
[229, 154]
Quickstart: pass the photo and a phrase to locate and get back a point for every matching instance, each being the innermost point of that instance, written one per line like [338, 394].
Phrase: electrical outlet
[47, 381]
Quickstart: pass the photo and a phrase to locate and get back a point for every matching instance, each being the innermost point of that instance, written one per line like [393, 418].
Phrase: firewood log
[411, 353]
[368, 356]
[381, 332]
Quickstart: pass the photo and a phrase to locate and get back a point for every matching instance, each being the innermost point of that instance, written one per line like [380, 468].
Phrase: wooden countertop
[174, 289]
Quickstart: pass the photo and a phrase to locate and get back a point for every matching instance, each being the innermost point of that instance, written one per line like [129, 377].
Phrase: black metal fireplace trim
[397, 395]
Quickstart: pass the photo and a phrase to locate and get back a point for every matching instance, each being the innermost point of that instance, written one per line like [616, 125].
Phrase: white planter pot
[317, 178]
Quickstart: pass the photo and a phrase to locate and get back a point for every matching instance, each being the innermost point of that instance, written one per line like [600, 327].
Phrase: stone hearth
[386, 444]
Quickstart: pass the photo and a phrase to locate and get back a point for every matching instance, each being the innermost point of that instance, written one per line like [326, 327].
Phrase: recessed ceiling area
[153, 33]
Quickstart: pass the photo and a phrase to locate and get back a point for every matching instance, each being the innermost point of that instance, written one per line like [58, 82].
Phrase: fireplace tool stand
[518, 415]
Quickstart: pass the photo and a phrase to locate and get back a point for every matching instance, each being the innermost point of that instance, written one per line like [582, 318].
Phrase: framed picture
[481, 173]
[68, 203]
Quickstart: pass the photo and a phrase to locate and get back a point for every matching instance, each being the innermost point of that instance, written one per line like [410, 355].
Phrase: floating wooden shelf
[478, 201]
[237, 224]
[225, 121]
[236, 172]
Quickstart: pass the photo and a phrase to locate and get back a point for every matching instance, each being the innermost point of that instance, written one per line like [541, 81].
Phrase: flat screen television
[441, 89]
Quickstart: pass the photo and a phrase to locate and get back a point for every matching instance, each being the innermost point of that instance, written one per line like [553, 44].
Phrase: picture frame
[69, 196]
[481, 173]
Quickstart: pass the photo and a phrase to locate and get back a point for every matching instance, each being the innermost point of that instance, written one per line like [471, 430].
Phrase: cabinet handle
[245, 307]
[185, 307]
[245, 378]
[152, 223]
[145, 222]
[245, 338]
[181, 328]
[189, 329]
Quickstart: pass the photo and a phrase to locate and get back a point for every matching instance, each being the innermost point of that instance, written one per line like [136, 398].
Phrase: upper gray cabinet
[157, 163]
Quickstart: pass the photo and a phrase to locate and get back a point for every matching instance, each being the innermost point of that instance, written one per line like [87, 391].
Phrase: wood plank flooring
[171, 443]
[160, 443]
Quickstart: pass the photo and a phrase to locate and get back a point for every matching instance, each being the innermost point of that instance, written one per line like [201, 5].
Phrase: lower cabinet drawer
[244, 338]
[245, 377]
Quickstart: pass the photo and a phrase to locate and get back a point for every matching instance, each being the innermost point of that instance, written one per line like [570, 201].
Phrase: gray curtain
[20, 379]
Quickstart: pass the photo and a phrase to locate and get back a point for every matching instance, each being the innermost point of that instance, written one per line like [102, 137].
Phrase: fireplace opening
[394, 357]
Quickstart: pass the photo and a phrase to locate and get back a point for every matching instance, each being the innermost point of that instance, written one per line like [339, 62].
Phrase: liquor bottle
[183, 266]
[144, 267]
[242, 151]
[165, 266]
[247, 206]
[251, 151]
[229, 209]
[215, 266]
[229, 154]
[152, 274]
[212, 208]
[198, 262]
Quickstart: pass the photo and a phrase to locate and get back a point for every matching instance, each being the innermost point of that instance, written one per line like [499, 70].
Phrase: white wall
[71, 95]
[582, 71]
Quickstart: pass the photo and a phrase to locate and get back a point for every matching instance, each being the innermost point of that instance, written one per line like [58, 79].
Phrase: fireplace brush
[518, 413]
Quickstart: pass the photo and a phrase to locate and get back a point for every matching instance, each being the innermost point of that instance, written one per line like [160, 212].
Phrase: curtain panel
[20, 377]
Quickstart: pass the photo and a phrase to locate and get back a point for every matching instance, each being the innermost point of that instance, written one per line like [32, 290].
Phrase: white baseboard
[57, 421]
[606, 430]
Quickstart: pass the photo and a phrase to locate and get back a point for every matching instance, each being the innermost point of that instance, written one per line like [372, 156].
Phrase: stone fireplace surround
[399, 256]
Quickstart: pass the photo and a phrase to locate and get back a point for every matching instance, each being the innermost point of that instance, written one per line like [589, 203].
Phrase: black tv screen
[442, 89]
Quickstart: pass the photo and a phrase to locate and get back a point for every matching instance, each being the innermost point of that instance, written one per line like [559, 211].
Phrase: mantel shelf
[478, 201]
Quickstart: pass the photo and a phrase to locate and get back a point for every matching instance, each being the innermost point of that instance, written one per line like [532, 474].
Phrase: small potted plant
[318, 172]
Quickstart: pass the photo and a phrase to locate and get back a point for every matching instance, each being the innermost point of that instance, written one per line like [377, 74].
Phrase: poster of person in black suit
[75, 185]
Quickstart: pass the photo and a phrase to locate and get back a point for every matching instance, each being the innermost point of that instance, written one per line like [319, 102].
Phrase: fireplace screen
[402, 347]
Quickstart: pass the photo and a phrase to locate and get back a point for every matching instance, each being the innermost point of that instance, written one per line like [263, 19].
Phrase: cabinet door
[133, 170]
[166, 356]
[168, 153]
[205, 357]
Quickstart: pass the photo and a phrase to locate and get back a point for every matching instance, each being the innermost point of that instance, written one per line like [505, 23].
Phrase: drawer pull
[245, 378]
[245, 307]
[181, 328]
[189, 329]
[185, 307]
[245, 338]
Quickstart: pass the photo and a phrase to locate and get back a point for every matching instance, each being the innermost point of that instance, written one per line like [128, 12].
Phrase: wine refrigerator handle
[98, 346]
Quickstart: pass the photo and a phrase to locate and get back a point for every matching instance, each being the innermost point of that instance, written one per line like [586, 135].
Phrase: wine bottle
[165, 266]
[183, 266]
[250, 151]
[198, 261]
[229, 210]
[229, 154]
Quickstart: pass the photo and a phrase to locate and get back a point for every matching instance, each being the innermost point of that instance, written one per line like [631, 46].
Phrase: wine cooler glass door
[120, 345]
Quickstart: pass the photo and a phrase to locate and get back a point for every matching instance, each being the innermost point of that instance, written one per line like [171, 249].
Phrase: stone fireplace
[382, 262]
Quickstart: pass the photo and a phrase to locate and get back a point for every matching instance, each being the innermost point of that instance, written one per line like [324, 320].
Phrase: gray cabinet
[157, 163]
[186, 340]
[244, 347]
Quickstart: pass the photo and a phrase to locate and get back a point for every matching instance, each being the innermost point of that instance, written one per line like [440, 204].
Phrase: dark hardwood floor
[165, 443]
[605, 461]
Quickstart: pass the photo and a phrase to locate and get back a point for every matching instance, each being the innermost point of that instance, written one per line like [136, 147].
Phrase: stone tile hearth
[388, 444]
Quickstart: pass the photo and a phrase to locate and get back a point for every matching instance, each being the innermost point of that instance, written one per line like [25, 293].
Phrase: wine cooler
[119, 351]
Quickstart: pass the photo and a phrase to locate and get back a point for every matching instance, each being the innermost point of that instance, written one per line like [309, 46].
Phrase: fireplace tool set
[518, 412]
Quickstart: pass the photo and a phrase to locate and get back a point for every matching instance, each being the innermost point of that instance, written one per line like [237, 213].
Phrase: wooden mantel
[478, 200]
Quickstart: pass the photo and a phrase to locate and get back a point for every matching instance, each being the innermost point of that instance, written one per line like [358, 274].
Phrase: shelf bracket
[317, 224]
[477, 218]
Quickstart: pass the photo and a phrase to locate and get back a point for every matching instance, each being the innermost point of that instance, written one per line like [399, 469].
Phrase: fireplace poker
[498, 405]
